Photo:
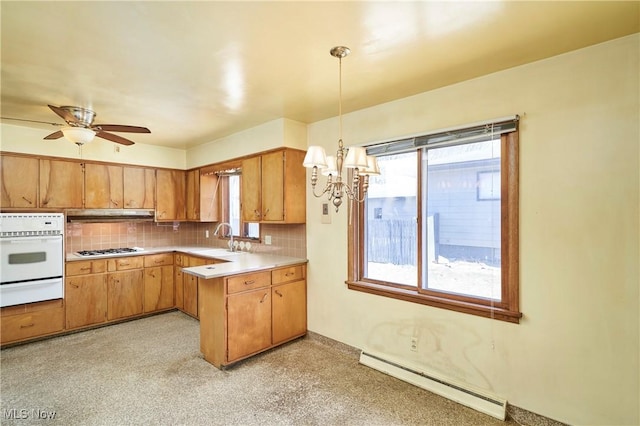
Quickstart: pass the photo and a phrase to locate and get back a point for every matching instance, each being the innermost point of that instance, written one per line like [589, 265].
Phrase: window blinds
[448, 137]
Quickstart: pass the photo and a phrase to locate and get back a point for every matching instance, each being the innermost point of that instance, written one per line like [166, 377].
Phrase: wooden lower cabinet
[158, 288]
[248, 323]
[186, 285]
[158, 282]
[85, 300]
[124, 294]
[245, 314]
[27, 321]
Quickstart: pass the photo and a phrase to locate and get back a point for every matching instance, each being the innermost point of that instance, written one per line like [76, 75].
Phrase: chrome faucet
[231, 246]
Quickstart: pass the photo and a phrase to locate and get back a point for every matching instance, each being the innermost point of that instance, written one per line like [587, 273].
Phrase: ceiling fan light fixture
[78, 135]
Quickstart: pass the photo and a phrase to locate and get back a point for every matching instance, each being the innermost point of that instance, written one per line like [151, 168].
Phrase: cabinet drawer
[248, 282]
[158, 260]
[32, 324]
[283, 275]
[86, 267]
[125, 263]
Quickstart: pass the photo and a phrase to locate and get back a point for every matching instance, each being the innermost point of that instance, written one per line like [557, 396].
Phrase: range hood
[110, 215]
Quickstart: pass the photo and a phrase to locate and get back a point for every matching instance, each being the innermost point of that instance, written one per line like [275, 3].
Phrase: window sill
[413, 296]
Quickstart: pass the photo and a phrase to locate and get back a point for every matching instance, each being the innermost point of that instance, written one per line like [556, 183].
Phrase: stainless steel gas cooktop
[104, 252]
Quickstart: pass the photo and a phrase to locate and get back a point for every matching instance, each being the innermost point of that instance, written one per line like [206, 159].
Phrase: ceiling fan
[80, 128]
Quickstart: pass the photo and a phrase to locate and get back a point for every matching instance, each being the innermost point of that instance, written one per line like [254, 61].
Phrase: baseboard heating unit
[479, 401]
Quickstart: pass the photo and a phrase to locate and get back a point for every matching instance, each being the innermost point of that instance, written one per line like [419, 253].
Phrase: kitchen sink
[219, 252]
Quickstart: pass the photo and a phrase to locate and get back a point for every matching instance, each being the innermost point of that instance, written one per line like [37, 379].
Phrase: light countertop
[234, 262]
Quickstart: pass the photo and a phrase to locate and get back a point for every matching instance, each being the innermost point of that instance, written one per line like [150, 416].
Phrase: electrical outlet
[267, 240]
[206, 233]
[414, 344]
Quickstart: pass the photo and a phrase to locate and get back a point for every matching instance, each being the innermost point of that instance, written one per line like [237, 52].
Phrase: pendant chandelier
[356, 158]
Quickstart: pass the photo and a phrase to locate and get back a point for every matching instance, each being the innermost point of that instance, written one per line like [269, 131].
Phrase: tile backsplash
[286, 240]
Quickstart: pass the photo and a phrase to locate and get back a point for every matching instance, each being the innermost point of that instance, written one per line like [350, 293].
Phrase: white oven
[31, 257]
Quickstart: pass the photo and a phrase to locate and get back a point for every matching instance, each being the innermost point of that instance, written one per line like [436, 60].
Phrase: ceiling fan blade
[55, 135]
[114, 138]
[31, 121]
[63, 113]
[121, 128]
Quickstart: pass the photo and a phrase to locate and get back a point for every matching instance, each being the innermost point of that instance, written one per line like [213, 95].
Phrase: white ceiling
[193, 72]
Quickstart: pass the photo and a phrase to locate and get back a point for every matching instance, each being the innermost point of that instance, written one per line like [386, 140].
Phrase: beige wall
[574, 357]
[29, 141]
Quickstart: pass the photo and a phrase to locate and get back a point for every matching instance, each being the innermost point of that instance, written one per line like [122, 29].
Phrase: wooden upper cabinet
[103, 186]
[274, 187]
[61, 184]
[139, 188]
[19, 182]
[193, 194]
[251, 184]
[170, 195]
[209, 199]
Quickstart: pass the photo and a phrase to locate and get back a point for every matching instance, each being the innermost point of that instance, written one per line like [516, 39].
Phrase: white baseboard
[475, 399]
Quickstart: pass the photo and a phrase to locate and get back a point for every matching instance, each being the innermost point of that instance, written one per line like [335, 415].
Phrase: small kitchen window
[231, 207]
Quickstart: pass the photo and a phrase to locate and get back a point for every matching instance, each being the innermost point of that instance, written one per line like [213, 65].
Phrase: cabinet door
[209, 198]
[102, 186]
[289, 311]
[158, 288]
[273, 187]
[179, 287]
[19, 182]
[251, 204]
[85, 300]
[248, 323]
[61, 184]
[190, 294]
[124, 294]
[139, 188]
[170, 195]
[193, 195]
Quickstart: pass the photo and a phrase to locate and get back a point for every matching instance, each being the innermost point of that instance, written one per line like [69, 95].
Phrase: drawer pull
[27, 326]
[124, 264]
[263, 297]
[158, 261]
[86, 268]
[249, 282]
[278, 293]
[288, 274]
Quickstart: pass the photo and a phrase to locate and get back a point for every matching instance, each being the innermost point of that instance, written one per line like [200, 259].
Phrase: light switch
[325, 216]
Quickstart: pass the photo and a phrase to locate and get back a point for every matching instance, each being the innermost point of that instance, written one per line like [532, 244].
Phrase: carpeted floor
[150, 371]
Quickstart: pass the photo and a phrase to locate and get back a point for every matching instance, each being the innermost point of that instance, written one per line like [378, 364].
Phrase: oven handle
[34, 283]
[24, 240]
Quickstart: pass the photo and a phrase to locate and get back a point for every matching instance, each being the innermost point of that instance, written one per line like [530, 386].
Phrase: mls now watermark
[28, 413]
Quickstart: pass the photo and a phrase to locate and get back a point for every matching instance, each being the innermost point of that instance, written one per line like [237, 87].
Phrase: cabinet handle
[257, 213]
[249, 282]
[264, 297]
[74, 286]
[27, 326]
[266, 213]
[27, 200]
[115, 203]
[278, 293]
[45, 202]
[152, 275]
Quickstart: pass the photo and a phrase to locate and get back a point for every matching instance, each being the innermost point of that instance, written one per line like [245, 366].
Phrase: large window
[439, 226]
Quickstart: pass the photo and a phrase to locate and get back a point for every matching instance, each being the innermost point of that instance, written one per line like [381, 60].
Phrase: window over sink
[230, 187]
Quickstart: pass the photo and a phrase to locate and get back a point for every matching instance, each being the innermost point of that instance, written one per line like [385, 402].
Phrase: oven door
[31, 258]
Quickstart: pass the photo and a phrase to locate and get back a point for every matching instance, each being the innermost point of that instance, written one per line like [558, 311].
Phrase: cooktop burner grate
[106, 251]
